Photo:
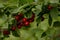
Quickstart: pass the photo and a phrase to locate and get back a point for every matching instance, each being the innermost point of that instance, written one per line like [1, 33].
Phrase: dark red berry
[30, 20]
[13, 28]
[20, 23]
[49, 7]
[24, 19]
[42, 18]
[6, 32]
[21, 15]
[26, 23]
[17, 17]
[33, 15]
[19, 26]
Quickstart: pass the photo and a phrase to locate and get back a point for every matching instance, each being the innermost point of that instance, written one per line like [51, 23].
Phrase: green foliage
[38, 30]
[14, 33]
[56, 24]
[50, 20]
[54, 13]
[43, 34]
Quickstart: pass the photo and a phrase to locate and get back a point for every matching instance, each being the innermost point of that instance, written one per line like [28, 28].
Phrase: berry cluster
[6, 32]
[21, 21]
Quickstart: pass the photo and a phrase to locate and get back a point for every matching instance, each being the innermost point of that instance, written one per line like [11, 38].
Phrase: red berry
[49, 7]
[19, 26]
[31, 20]
[6, 32]
[20, 23]
[24, 19]
[13, 28]
[26, 23]
[17, 17]
[33, 15]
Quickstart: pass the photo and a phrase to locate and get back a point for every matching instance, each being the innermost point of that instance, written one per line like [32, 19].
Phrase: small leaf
[19, 8]
[54, 13]
[7, 13]
[56, 24]
[9, 26]
[54, 1]
[38, 20]
[14, 22]
[44, 25]
[1, 5]
[43, 34]
[2, 38]
[50, 20]
[14, 33]
[26, 27]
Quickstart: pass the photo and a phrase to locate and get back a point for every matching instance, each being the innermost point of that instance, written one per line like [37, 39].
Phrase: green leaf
[50, 20]
[25, 34]
[3, 21]
[22, 2]
[51, 32]
[6, 11]
[19, 9]
[33, 24]
[44, 25]
[9, 26]
[31, 38]
[36, 33]
[54, 1]
[56, 24]
[43, 34]
[14, 22]
[38, 20]
[28, 12]
[10, 2]
[14, 33]
[1, 5]
[54, 13]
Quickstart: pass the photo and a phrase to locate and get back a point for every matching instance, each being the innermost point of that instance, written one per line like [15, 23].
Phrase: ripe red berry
[13, 28]
[31, 20]
[33, 15]
[17, 17]
[49, 7]
[26, 23]
[24, 19]
[19, 26]
[6, 32]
